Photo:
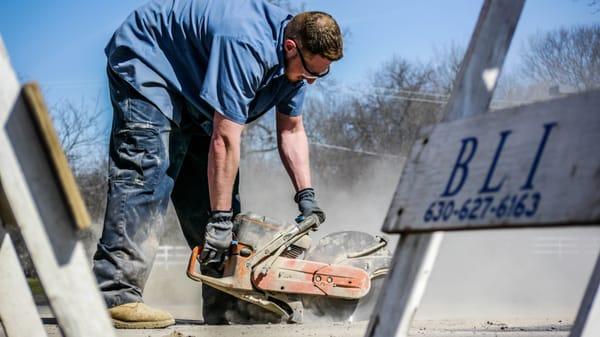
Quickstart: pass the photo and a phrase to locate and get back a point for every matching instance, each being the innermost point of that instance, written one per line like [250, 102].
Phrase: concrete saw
[272, 265]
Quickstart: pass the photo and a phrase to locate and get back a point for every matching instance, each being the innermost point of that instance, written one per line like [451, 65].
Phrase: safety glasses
[313, 75]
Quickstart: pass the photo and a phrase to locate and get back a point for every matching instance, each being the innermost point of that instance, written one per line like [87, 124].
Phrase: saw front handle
[191, 269]
[311, 221]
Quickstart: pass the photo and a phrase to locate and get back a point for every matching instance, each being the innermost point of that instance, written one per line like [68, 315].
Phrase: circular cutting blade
[353, 248]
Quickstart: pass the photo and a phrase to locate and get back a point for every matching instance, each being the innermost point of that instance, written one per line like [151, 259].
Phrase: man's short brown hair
[318, 33]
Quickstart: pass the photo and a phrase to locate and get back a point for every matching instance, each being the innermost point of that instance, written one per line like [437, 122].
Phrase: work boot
[138, 315]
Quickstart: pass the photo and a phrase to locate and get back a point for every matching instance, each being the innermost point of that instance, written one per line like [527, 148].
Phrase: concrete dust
[478, 275]
[529, 273]
[506, 274]
[359, 205]
[272, 195]
[171, 290]
[533, 273]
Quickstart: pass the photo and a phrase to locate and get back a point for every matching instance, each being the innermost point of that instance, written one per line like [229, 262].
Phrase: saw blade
[357, 249]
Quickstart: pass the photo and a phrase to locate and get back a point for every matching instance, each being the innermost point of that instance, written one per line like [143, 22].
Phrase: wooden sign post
[531, 166]
[39, 197]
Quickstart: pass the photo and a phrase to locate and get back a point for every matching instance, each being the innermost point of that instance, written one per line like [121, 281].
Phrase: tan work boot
[138, 315]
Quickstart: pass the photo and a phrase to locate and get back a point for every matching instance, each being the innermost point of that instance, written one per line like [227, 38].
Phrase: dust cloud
[478, 275]
[358, 205]
[267, 190]
[519, 273]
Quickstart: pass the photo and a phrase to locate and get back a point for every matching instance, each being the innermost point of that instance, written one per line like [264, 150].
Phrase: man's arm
[293, 149]
[223, 161]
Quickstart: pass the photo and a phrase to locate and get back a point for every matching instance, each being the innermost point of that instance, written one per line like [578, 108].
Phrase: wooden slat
[534, 165]
[481, 67]
[412, 264]
[587, 323]
[18, 312]
[56, 156]
[34, 198]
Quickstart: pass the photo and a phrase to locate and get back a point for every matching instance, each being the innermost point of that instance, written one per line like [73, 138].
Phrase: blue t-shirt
[223, 55]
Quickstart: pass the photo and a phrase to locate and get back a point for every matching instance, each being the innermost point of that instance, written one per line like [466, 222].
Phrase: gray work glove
[307, 204]
[217, 239]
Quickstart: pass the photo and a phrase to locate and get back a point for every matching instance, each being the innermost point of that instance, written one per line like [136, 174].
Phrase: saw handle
[191, 269]
[311, 221]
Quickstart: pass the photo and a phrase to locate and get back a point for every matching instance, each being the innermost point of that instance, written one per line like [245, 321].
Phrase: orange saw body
[271, 274]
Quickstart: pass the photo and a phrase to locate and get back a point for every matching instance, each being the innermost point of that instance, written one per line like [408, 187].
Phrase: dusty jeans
[151, 160]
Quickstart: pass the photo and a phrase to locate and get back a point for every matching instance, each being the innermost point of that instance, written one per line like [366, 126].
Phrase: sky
[60, 43]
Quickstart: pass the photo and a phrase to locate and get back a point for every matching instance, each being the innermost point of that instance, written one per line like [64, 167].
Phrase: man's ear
[290, 46]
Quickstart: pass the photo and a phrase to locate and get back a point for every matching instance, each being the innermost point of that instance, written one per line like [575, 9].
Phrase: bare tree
[403, 96]
[446, 65]
[80, 130]
[567, 56]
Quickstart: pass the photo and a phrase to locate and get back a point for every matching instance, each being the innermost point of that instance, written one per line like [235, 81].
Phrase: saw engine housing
[267, 267]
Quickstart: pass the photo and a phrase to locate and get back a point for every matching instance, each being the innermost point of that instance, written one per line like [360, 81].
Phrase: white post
[406, 283]
[18, 313]
[587, 323]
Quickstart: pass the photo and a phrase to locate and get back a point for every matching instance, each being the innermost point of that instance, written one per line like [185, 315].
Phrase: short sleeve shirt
[220, 55]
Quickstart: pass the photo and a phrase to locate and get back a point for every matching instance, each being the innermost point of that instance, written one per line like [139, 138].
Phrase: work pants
[152, 160]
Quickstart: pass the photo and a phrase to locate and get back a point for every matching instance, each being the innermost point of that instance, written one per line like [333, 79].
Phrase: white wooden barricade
[530, 166]
[39, 197]
[17, 308]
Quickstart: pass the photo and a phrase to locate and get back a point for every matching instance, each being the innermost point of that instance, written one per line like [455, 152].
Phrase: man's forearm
[223, 162]
[293, 149]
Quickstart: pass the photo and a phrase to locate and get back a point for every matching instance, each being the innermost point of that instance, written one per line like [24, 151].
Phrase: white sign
[531, 165]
